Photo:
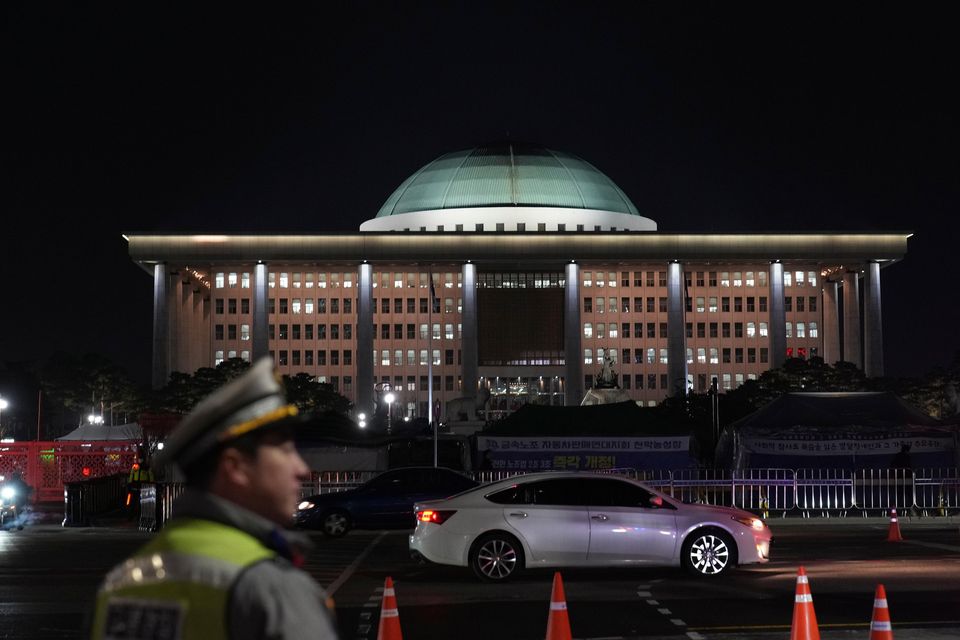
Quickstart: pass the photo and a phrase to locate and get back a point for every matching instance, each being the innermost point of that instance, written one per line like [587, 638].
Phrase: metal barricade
[937, 491]
[823, 491]
[883, 489]
[702, 486]
[764, 490]
[336, 481]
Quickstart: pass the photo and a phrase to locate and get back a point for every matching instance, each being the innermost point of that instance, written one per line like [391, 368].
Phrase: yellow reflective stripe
[238, 430]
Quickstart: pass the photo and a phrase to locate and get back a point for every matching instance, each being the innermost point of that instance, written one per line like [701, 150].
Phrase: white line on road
[343, 577]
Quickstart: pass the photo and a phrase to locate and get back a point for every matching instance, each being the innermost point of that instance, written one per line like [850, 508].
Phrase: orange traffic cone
[893, 535]
[804, 618]
[389, 617]
[558, 624]
[880, 627]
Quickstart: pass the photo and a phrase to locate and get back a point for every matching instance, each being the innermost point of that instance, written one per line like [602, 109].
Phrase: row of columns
[872, 363]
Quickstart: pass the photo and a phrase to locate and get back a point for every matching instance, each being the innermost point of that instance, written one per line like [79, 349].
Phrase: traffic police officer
[224, 566]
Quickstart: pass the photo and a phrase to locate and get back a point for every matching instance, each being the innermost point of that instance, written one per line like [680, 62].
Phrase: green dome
[507, 174]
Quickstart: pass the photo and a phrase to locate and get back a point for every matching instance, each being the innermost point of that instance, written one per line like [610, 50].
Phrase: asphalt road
[48, 578]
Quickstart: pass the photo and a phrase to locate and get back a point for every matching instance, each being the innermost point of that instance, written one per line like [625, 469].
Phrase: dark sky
[711, 117]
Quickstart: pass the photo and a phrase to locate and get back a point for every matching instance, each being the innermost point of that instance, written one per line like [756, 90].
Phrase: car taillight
[436, 517]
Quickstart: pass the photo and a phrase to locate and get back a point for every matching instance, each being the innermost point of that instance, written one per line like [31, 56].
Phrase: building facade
[518, 270]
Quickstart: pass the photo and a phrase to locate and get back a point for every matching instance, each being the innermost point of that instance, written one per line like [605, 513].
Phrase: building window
[321, 332]
[282, 360]
[587, 278]
[436, 356]
[701, 304]
[787, 279]
[335, 331]
[763, 329]
[218, 332]
[714, 356]
[725, 304]
[663, 279]
[763, 355]
[737, 304]
[600, 305]
[713, 304]
[638, 356]
[751, 330]
[601, 330]
[650, 304]
[738, 355]
[588, 305]
[217, 358]
[749, 281]
[713, 329]
[232, 306]
[762, 278]
[813, 330]
[789, 327]
[588, 356]
[801, 330]
[231, 332]
[625, 329]
[812, 278]
[244, 332]
[724, 278]
[751, 304]
[689, 355]
[663, 356]
[725, 355]
[812, 303]
[296, 307]
[737, 279]
[423, 357]
[763, 302]
[283, 335]
[613, 330]
[751, 355]
[651, 356]
[651, 381]
[737, 329]
[448, 356]
[701, 355]
[218, 280]
[448, 331]
[788, 303]
[218, 306]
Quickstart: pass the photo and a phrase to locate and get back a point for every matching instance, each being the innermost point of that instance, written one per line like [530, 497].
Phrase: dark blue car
[385, 502]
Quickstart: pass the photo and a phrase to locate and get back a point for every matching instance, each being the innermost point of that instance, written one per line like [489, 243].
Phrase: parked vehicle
[384, 502]
[578, 519]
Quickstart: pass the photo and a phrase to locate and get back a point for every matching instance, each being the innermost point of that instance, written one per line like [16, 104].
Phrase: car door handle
[598, 517]
[519, 514]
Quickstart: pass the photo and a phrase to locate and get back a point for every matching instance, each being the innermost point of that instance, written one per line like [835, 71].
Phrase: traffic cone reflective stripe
[804, 625]
[558, 623]
[389, 628]
[893, 535]
[880, 627]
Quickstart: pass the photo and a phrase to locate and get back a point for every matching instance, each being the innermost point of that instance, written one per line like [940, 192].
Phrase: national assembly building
[516, 270]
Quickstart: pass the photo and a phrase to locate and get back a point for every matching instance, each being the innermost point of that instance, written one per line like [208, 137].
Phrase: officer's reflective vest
[178, 585]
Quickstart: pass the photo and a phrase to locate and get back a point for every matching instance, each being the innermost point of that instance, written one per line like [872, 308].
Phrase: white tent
[98, 432]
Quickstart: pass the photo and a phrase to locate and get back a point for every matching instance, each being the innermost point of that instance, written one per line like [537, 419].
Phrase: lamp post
[389, 398]
[3, 405]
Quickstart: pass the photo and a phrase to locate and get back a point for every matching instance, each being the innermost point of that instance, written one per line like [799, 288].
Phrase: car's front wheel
[709, 552]
[496, 557]
[335, 524]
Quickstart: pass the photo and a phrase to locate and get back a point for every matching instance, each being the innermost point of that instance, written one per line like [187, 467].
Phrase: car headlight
[754, 523]
[306, 504]
[7, 493]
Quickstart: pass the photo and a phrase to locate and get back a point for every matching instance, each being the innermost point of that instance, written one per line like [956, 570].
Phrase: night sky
[711, 117]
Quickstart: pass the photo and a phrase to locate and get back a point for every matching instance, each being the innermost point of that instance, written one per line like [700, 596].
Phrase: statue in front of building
[607, 378]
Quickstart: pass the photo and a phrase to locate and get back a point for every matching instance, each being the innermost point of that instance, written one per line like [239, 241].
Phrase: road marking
[693, 635]
[665, 612]
[343, 577]
[678, 622]
[644, 594]
[653, 603]
[933, 545]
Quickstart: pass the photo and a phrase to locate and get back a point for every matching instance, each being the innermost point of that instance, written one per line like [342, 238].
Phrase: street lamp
[3, 405]
[389, 398]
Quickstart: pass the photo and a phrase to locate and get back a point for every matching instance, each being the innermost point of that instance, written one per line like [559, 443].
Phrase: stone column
[872, 323]
[161, 327]
[572, 343]
[365, 391]
[851, 319]
[778, 317]
[676, 334]
[831, 324]
[468, 317]
[261, 288]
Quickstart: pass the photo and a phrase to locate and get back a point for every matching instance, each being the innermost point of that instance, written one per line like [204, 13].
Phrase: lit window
[588, 356]
[436, 331]
[587, 279]
[613, 330]
[749, 279]
[701, 306]
[297, 277]
[423, 357]
[611, 279]
[309, 281]
[714, 355]
[738, 379]
[424, 333]
[726, 381]
[801, 330]
[713, 304]
[295, 306]
[812, 278]
[448, 305]
[762, 278]
[385, 358]
[448, 331]
[651, 356]
[284, 280]
[436, 356]
[601, 330]
[689, 355]
[217, 358]
[600, 305]
[799, 278]
[321, 281]
[411, 357]
[245, 356]
[787, 279]
[702, 355]
[244, 332]
[398, 358]
[813, 330]
[663, 356]
[789, 329]
[308, 306]
[737, 279]
[232, 280]
[398, 281]
[763, 329]
[724, 278]
[587, 330]
[231, 354]
[219, 284]
[751, 330]
[244, 280]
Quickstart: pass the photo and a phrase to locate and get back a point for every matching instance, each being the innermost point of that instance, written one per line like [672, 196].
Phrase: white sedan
[581, 519]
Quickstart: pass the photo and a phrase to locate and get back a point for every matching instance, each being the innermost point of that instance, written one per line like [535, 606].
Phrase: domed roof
[507, 174]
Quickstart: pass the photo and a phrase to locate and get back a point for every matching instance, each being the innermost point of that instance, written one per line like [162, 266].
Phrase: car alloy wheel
[497, 557]
[708, 553]
[335, 524]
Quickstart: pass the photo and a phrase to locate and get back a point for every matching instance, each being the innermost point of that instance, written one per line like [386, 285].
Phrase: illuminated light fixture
[210, 238]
